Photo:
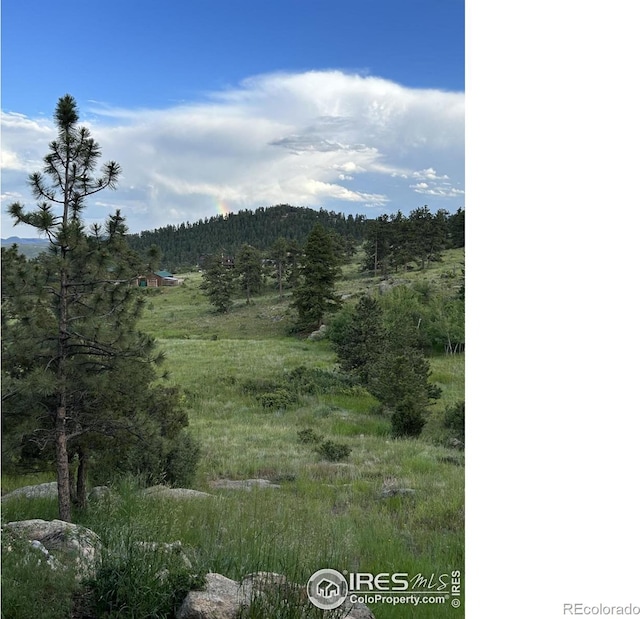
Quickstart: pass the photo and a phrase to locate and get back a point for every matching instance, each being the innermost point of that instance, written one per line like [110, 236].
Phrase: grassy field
[324, 514]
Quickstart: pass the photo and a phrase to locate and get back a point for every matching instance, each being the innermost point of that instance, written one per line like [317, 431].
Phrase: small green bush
[182, 461]
[256, 386]
[407, 420]
[159, 459]
[454, 420]
[334, 452]
[309, 436]
[277, 400]
[311, 381]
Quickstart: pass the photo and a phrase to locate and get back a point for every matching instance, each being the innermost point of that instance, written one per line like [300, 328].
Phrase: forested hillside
[391, 240]
[183, 245]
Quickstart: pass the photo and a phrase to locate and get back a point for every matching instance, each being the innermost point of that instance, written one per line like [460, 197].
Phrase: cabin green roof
[163, 274]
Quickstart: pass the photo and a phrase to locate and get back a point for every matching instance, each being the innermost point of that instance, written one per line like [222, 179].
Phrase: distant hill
[20, 241]
[182, 245]
[29, 247]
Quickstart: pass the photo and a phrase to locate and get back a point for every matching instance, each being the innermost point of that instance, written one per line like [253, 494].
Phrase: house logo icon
[327, 589]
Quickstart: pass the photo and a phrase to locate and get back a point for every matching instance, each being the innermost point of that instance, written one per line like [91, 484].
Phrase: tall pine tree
[248, 267]
[218, 282]
[70, 341]
[315, 294]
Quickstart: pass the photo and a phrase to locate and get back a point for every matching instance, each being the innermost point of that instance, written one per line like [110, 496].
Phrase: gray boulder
[242, 484]
[39, 491]
[222, 598]
[100, 493]
[388, 285]
[319, 334]
[174, 493]
[72, 545]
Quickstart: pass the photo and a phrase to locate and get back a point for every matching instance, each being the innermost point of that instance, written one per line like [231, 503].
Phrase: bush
[334, 452]
[454, 420]
[277, 400]
[309, 436]
[182, 461]
[256, 386]
[156, 460]
[311, 381]
[407, 420]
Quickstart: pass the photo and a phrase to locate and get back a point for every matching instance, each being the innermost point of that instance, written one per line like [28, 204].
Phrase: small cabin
[157, 279]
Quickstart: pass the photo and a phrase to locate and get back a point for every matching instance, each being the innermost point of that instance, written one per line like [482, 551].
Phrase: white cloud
[428, 174]
[277, 138]
[441, 191]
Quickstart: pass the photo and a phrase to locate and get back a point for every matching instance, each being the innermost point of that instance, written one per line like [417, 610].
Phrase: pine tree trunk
[81, 481]
[62, 455]
[62, 465]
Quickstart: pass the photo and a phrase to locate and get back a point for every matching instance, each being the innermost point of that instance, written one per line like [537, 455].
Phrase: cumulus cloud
[322, 138]
[438, 185]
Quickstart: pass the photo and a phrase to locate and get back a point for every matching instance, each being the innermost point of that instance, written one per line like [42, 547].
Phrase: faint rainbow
[222, 208]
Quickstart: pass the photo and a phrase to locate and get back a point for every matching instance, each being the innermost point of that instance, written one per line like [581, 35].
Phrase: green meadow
[324, 513]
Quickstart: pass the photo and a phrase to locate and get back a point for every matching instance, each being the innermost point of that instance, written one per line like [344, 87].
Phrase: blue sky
[210, 107]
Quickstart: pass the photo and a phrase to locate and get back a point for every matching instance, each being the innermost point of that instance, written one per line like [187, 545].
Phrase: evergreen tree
[315, 294]
[278, 253]
[456, 228]
[400, 380]
[429, 234]
[294, 253]
[218, 282]
[70, 338]
[362, 340]
[402, 251]
[248, 268]
[384, 345]
[378, 245]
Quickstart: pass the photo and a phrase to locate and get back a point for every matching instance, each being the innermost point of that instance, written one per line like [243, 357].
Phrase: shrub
[309, 436]
[407, 420]
[454, 420]
[277, 400]
[334, 452]
[425, 290]
[306, 380]
[182, 461]
[158, 459]
[256, 386]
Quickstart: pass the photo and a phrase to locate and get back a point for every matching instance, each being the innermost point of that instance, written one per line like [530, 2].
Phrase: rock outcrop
[242, 484]
[39, 491]
[68, 544]
[174, 493]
